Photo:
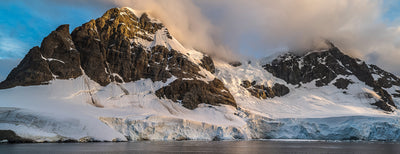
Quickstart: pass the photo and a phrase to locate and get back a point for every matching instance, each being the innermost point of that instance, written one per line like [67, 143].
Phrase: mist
[187, 23]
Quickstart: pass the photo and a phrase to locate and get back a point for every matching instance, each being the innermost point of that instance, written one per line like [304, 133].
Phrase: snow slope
[62, 110]
[130, 111]
[306, 101]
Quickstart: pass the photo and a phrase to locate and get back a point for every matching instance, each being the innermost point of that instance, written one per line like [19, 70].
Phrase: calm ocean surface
[247, 147]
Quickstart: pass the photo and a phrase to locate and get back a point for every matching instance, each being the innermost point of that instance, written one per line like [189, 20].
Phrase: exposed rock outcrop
[60, 53]
[386, 79]
[208, 64]
[57, 58]
[264, 92]
[191, 93]
[11, 137]
[397, 94]
[342, 83]
[235, 64]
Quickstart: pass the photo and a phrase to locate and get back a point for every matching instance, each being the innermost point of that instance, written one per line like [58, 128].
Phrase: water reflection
[249, 147]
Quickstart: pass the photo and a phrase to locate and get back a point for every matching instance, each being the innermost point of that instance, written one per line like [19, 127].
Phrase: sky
[368, 29]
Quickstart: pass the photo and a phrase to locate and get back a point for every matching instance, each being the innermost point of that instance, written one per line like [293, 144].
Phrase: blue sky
[392, 12]
[23, 24]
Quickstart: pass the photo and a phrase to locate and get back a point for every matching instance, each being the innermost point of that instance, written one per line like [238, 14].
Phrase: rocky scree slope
[122, 46]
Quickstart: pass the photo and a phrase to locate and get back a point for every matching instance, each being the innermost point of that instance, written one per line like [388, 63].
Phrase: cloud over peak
[260, 27]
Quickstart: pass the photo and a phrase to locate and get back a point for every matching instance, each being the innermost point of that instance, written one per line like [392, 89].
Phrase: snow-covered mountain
[124, 77]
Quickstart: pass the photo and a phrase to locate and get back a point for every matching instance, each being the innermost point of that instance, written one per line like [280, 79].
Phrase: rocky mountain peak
[125, 21]
[331, 66]
[57, 58]
[123, 47]
[63, 29]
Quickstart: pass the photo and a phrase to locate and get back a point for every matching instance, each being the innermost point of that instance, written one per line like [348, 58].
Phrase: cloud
[294, 24]
[186, 22]
[261, 27]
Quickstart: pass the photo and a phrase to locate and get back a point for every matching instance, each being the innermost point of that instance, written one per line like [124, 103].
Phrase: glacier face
[336, 128]
[39, 127]
[168, 128]
[47, 127]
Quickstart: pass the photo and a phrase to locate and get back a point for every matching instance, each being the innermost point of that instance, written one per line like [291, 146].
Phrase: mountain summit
[124, 77]
[122, 47]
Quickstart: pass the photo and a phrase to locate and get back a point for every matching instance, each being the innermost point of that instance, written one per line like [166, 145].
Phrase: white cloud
[11, 47]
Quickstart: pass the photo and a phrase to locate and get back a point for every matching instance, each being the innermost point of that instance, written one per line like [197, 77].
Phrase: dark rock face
[246, 84]
[386, 80]
[325, 66]
[397, 94]
[146, 24]
[235, 64]
[56, 58]
[33, 70]
[280, 89]
[62, 57]
[294, 69]
[87, 42]
[342, 83]
[264, 92]
[106, 51]
[11, 137]
[383, 105]
[208, 64]
[191, 93]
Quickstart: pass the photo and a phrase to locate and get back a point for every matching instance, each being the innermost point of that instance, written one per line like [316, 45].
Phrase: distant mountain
[332, 66]
[124, 77]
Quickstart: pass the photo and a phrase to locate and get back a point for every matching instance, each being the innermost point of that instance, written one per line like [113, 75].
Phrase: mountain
[121, 47]
[325, 67]
[124, 77]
